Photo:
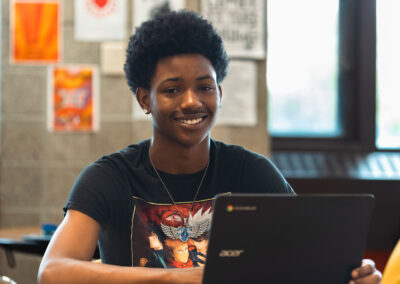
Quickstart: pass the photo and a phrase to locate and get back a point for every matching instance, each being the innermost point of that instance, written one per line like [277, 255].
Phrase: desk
[17, 232]
[11, 239]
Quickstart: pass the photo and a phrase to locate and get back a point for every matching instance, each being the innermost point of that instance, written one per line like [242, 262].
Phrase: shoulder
[112, 167]
[257, 172]
[236, 153]
[222, 149]
[132, 155]
[105, 182]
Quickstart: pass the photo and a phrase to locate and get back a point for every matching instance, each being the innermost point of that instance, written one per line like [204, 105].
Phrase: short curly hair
[167, 34]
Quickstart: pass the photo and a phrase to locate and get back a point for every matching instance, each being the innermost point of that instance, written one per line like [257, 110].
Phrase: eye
[206, 88]
[171, 90]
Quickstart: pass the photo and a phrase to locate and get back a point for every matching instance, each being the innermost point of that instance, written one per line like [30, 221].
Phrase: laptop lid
[271, 238]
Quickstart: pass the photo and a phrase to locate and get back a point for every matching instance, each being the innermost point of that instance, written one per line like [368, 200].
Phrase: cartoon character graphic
[177, 253]
[157, 257]
[170, 235]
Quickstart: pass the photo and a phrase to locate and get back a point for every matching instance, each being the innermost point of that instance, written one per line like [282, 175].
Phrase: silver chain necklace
[166, 189]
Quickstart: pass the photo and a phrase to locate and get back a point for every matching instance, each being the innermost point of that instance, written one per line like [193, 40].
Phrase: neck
[176, 159]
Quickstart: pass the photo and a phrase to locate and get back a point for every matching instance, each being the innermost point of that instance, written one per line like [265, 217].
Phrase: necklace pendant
[184, 233]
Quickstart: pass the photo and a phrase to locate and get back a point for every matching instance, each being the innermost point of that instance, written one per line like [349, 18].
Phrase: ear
[143, 98]
[220, 95]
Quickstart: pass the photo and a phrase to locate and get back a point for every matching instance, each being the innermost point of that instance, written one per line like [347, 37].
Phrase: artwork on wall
[100, 20]
[73, 103]
[144, 10]
[239, 95]
[240, 24]
[35, 31]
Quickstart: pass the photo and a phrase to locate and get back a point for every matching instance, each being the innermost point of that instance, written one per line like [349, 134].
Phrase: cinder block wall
[38, 168]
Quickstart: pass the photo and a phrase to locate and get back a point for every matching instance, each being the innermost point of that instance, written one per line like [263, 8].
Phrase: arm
[68, 259]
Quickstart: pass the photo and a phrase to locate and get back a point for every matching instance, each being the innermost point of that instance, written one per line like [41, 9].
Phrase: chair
[391, 274]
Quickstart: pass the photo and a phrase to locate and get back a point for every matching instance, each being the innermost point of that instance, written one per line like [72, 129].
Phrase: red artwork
[35, 31]
[72, 99]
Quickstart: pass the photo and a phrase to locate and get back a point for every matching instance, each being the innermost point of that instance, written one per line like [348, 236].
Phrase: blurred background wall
[38, 168]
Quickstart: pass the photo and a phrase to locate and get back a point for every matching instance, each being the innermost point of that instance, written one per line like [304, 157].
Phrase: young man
[165, 185]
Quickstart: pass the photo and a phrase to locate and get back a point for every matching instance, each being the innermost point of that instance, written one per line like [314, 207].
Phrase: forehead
[183, 66]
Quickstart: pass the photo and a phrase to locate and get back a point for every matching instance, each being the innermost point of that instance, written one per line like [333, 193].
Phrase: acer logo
[230, 253]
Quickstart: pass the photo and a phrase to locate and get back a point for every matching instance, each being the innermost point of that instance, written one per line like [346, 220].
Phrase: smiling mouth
[191, 121]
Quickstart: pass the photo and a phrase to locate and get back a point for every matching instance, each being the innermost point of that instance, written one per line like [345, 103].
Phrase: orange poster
[72, 98]
[35, 31]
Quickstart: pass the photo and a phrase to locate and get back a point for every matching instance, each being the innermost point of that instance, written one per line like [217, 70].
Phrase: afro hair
[167, 34]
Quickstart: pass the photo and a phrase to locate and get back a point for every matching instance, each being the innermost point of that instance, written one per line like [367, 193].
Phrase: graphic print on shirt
[169, 236]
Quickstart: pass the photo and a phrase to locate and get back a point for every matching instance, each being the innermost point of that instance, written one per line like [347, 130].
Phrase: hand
[366, 273]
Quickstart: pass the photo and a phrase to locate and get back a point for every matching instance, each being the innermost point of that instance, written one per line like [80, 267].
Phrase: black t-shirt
[139, 224]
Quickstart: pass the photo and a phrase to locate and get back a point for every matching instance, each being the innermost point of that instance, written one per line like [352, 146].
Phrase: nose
[190, 100]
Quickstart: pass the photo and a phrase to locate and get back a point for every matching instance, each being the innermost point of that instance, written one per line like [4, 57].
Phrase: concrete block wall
[38, 168]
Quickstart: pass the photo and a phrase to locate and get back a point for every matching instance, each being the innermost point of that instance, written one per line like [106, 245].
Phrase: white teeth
[191, 121]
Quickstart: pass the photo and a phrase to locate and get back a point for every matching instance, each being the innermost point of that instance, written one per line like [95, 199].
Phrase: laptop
[279, 238]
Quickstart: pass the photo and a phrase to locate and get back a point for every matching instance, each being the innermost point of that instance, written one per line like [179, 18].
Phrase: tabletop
[26, 240]
[14, 239]
[17, 232]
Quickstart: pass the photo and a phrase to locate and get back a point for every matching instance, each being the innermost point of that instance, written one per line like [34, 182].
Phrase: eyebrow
[205, 77]
[176, 79]
[172, 79]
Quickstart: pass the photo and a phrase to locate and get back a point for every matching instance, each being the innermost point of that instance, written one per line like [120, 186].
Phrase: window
[303, 68]
[388, 62]
[321, 75]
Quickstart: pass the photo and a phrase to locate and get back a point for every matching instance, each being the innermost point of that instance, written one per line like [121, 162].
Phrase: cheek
[214, 102]
[160, 106]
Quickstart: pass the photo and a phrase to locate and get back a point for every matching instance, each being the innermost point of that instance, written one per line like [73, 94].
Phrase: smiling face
[183, 98]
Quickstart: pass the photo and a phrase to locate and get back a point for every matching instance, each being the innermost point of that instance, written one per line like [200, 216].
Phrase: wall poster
[239, 95]
[35, 31]
[73, 101]
[241, 24]
[100, 20]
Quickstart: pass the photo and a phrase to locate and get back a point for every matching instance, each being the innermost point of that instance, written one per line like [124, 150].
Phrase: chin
[189, 142]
